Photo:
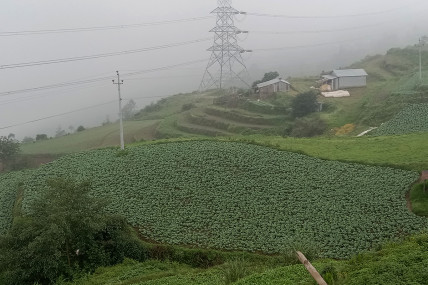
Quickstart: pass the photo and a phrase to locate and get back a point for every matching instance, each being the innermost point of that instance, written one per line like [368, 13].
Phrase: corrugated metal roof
[270, 82]
[329, 77]
[349, 72]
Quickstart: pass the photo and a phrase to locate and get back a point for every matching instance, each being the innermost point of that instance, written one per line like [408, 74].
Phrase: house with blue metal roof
[345, 78]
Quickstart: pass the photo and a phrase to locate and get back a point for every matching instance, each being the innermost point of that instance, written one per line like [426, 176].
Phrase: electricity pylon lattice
[226, 67]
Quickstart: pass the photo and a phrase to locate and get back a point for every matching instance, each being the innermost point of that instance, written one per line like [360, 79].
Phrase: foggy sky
[400, 24]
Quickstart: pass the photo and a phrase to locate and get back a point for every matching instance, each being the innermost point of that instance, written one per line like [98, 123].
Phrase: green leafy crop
[242, 196]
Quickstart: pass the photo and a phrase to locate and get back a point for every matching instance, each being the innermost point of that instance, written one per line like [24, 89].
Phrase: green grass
[395, 264]
[419, 199]
[405, 151]
[103, 136]
[401, 263]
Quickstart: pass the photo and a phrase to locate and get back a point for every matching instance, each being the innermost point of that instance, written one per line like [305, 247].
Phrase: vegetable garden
[411, 119]
[239, 196]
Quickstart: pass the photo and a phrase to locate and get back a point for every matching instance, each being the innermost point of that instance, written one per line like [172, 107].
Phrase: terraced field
[411, 119]
[241, 196]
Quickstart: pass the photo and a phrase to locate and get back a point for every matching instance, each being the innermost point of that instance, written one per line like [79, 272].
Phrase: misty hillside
[393, 82]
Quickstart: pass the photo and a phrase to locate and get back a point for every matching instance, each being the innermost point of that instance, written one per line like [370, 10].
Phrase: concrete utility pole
[120, 82]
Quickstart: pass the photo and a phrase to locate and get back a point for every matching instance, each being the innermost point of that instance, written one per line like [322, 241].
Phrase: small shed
[345, 78]
[275, 85]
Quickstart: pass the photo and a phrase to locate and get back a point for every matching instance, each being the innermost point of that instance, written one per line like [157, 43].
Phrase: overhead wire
[308, 46]
[80, 82]
[77, 110]
[58, 115]
[315, 31]
[324, 17]
[80, 58]
[99, 28]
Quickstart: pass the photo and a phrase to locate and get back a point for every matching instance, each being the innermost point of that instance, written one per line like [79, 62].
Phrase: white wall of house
[356, 81]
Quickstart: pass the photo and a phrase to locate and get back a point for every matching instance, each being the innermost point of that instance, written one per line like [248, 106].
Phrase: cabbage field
[8, 193]
[241, 196]
[412, 119]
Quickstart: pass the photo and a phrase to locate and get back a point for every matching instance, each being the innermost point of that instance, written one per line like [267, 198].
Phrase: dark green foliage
[419, 199]
[80, 129]
[394, 264]
[187, 106]
[8, 148]
[330, 274]
[235, 270]
[308, 127]
[66, 231]
[27, 140]
[41, 137]
[268, 76]
[304, 104]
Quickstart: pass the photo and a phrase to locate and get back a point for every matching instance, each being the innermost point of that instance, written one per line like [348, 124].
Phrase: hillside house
[344, 78]
[275, 85]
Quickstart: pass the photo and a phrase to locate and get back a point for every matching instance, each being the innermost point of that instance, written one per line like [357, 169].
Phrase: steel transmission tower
[226, 68]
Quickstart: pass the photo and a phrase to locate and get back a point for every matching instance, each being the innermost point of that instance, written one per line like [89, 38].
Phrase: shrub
[304, 104]
[308, 127]
[235, 270]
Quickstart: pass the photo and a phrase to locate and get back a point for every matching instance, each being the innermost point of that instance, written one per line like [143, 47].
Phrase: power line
[324, 17]
[58, 115]
[34, 97]
[99, 28]
[314, 31]
[78, 110]
[308, 46]
[70, 59]
[87, 81]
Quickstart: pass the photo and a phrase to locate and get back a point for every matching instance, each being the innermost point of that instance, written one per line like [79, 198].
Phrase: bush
[80, 129]
[235, 270]
[65, 232]
[304, 104]
[187, 107]
[308, 127]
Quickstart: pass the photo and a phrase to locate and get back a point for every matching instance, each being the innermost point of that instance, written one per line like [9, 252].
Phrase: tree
[268, 76]
[60, 132]
[8, 148]
[80, 128]
[308, 127]
[129, 110]
[66, 229]
[27, 140]
[41, 137]
[304, 104]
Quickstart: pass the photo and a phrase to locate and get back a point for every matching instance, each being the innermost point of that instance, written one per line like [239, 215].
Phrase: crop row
[240, 196]
[9, 184]
[411, 119]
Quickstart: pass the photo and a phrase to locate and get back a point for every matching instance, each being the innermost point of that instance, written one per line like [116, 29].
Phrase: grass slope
[405, 151]
[400, 263]
[392, 84]
[104, 136]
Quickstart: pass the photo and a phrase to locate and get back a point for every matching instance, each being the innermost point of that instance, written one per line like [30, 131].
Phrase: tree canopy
[66, 230]
[304, 104]
[8, 148]
[268, 76]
